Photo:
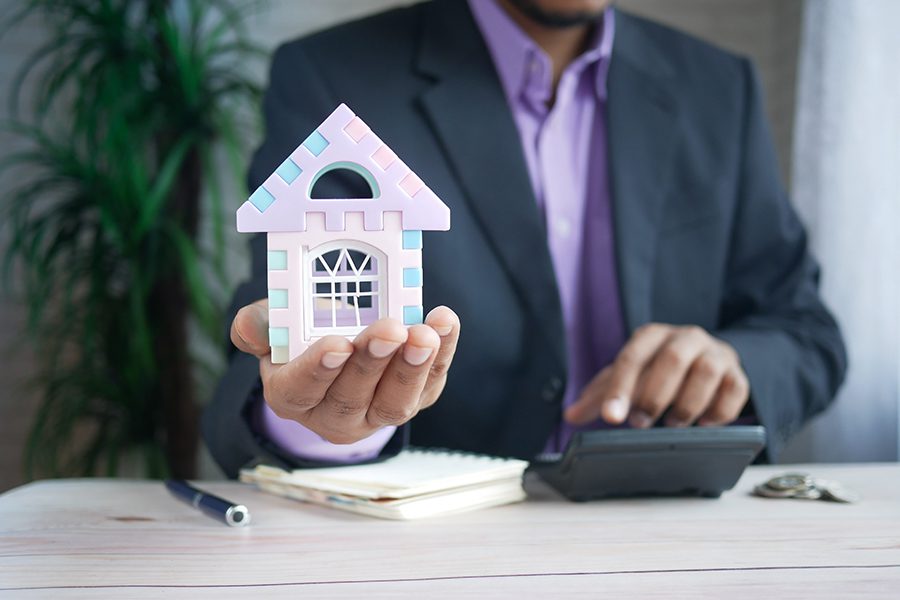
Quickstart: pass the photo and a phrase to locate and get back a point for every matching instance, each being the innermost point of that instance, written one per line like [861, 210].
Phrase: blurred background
[117, 230]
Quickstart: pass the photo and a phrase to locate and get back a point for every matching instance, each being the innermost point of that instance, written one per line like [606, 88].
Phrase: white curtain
[846, 185]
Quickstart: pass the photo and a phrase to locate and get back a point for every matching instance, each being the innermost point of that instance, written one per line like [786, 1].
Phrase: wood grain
[103, 538]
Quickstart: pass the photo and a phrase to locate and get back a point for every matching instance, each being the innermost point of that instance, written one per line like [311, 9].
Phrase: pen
[235, 515]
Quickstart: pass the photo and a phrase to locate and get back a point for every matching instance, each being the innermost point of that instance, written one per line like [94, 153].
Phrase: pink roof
[343, 140]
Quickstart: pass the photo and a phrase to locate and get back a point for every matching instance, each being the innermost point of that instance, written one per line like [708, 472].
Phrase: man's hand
[681, 371]
[346, 391]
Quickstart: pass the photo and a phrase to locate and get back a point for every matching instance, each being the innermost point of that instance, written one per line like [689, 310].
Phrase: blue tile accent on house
[412, 240]
[277, 260]
[278, 336]
[289, 171]
[315, 143]
[278, 298]
[412, 315]
[261, 199]
[412, 277]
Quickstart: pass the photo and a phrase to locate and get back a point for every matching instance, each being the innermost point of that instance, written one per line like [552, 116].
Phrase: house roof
[343, 140]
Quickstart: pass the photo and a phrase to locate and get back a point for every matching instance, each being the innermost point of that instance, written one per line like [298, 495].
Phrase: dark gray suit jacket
[704, 232]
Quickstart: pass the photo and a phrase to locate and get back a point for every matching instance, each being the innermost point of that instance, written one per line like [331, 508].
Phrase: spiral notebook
[417, 483]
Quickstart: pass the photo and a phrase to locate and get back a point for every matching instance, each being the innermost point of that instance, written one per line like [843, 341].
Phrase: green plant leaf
[162, 187]
[128, 96]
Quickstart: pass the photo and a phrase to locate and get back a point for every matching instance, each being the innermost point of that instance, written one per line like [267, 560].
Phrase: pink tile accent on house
[384, 157]
[411, 184]
[410, 259]
[356, 129]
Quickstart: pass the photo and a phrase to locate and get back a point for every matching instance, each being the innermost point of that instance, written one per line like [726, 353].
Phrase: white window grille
[346, 289]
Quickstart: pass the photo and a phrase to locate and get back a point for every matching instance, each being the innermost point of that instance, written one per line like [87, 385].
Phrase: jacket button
[551, 392]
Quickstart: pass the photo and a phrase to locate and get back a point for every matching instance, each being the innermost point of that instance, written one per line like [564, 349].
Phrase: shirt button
[551, 390]
[563, 227]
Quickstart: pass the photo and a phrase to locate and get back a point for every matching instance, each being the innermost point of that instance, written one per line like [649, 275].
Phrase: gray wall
[17, 404]
[766, 30]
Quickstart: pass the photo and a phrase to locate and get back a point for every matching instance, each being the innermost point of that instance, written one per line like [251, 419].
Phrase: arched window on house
[347, 284]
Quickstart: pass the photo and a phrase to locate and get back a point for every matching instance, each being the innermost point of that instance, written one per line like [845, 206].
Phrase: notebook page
[410, 473]
[427, 505]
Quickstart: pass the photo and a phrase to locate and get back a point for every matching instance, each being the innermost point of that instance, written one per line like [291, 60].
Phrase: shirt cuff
[305, 444]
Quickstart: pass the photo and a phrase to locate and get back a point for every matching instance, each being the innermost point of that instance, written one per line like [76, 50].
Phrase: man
[622, 252]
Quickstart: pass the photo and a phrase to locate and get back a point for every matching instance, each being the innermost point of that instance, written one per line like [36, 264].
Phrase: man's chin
[559, 19]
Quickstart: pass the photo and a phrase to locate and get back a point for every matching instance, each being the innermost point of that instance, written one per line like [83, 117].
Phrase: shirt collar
[524, 68]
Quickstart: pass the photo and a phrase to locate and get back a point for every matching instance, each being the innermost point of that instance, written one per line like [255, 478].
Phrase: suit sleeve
[789, 344]
[295, 103]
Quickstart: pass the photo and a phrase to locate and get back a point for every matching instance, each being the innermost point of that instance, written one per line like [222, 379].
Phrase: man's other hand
[680, 372]
[345, 391]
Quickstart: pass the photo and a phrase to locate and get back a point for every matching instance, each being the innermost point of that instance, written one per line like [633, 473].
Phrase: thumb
[250, 329]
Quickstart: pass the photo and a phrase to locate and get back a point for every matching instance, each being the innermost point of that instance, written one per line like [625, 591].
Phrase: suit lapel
[468, 111]
[469, 114]
[642, 124]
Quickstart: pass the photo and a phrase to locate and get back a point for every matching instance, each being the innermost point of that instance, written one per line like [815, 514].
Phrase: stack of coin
[805, 487]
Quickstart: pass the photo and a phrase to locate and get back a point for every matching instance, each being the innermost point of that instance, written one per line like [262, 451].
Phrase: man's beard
[556, 19]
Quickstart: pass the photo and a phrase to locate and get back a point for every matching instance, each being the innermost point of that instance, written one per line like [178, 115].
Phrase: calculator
[691, 461]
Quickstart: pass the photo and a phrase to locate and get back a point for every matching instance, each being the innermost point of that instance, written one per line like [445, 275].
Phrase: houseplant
[134, 105]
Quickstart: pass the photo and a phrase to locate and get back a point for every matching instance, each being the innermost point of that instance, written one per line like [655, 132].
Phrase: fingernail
[442, 331]
[416, 355]
[640, 419]
[332, 360]
[673, 422]
[617, 409]
[382, 348]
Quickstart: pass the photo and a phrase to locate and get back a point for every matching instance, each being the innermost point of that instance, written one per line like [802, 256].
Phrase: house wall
[403, 302]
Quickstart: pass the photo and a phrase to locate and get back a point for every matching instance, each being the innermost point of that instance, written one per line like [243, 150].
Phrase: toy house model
[337, 265]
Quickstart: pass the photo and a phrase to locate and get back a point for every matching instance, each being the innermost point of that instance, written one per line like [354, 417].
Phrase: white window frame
[309, 292]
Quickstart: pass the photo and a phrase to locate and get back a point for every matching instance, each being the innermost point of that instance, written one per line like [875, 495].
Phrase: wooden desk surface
[117, 539]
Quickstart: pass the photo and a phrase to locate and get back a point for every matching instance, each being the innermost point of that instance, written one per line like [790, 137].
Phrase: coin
[837, 492]
[805, 487]
[766, 492]
[810, 493]
[790, 481]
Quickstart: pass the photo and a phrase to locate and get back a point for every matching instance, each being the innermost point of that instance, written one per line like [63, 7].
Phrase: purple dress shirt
[563, 137]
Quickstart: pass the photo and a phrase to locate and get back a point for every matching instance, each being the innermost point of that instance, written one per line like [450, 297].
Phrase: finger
[698, 390]
[396, 398]
[446, 324]
[665, 374]
[731, 397]
[632, 360]
[594, 403]
[291, 390]
[348, 398]
[250, 329]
